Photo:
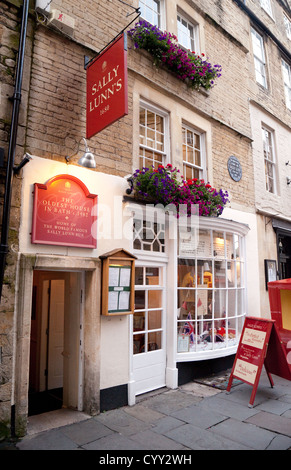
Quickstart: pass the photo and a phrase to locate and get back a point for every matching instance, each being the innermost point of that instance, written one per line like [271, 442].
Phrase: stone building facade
[52, 123]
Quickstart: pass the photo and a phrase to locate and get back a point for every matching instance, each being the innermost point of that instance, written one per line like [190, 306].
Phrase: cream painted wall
[110, 189]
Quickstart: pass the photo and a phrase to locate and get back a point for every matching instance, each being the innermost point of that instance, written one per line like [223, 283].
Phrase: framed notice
[270, 271]
[118, 273]
[119, 288]
[183, 343]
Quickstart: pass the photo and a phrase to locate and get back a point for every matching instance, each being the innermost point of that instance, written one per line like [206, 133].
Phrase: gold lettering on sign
[103, 95]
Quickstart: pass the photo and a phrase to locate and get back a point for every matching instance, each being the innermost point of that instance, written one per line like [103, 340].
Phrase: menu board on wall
[119, 288]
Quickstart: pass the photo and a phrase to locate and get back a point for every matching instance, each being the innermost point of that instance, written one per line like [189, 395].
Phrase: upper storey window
[187, 33]
[151, 11]
[153, 136]
[269, 158]
[266, 5]
[287, 82]
[259, 58]
[287, 24]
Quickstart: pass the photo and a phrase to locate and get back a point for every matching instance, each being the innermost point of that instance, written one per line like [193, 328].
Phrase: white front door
[148, 328]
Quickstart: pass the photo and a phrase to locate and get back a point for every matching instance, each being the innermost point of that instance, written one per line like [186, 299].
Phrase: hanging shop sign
[64, 213]
[260, 344]
[107, 99]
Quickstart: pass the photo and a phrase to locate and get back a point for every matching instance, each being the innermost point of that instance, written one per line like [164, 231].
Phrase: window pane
[155, 320]
[218, 244]
[138, 343]
[138, 321]
[220, 303]
[150, 11]
[186, 273]
[152, 276]
[139, 299]
[219, 274]
[154, 299]
[138, 276]
[154, 341]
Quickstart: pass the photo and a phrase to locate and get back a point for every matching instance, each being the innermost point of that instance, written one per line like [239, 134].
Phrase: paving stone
[154, 441]
[144, 414]
[50, 440]
[166, 424]
[171, 401]
[114, 442]
[199, 439]
[122, 422]
[285, 398]
[228, 408]
[274, 406]
[273, 422]
[280, 443]
[287, 414]
[199, 417]
[245, 433]
[83, 433]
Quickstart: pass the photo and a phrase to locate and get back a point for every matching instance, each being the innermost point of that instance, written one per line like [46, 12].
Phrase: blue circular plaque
[234, 168]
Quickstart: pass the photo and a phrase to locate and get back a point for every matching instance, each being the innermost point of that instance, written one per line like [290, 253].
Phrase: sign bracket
[88, 61]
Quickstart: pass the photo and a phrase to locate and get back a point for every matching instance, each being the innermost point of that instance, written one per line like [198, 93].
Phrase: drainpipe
[12, 145]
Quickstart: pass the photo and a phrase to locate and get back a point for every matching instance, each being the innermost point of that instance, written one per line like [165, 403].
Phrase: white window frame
[287, 23]
[259, 58]
[202, 168]
[286, 70]
[148, 14]
[267, 6]
[166, 132]
[192, 40]
[269, 158]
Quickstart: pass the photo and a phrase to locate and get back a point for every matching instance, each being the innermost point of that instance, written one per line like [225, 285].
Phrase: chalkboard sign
[234, 168]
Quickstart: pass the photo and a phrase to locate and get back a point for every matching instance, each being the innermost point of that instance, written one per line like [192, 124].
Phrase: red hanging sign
[64, 213]
[259, 345]
[107, 98]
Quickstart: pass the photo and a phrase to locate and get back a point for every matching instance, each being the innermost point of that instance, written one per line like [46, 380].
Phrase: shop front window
[211, 294]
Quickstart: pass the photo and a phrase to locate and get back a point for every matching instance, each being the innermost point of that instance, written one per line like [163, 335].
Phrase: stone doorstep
[54, 419]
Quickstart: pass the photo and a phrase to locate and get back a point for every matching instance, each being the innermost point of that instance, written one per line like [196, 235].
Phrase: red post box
[280, 306]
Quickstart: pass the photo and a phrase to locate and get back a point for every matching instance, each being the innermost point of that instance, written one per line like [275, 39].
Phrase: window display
[211, 293]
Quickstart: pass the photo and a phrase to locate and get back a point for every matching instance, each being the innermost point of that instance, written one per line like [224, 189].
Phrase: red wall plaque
[107, 87]
[64, 213]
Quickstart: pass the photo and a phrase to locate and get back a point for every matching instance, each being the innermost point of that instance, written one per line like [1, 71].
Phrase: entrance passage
[149, 352]
[55, 343]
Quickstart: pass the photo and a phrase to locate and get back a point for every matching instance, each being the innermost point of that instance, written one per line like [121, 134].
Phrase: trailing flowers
[164, 185]
[188, 66]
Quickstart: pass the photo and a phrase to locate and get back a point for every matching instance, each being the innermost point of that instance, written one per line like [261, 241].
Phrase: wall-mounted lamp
[24, 161]
[288, 180]
[87, 160]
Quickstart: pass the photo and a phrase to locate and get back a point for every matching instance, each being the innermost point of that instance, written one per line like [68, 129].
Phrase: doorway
[55, 370]
[149, 328]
